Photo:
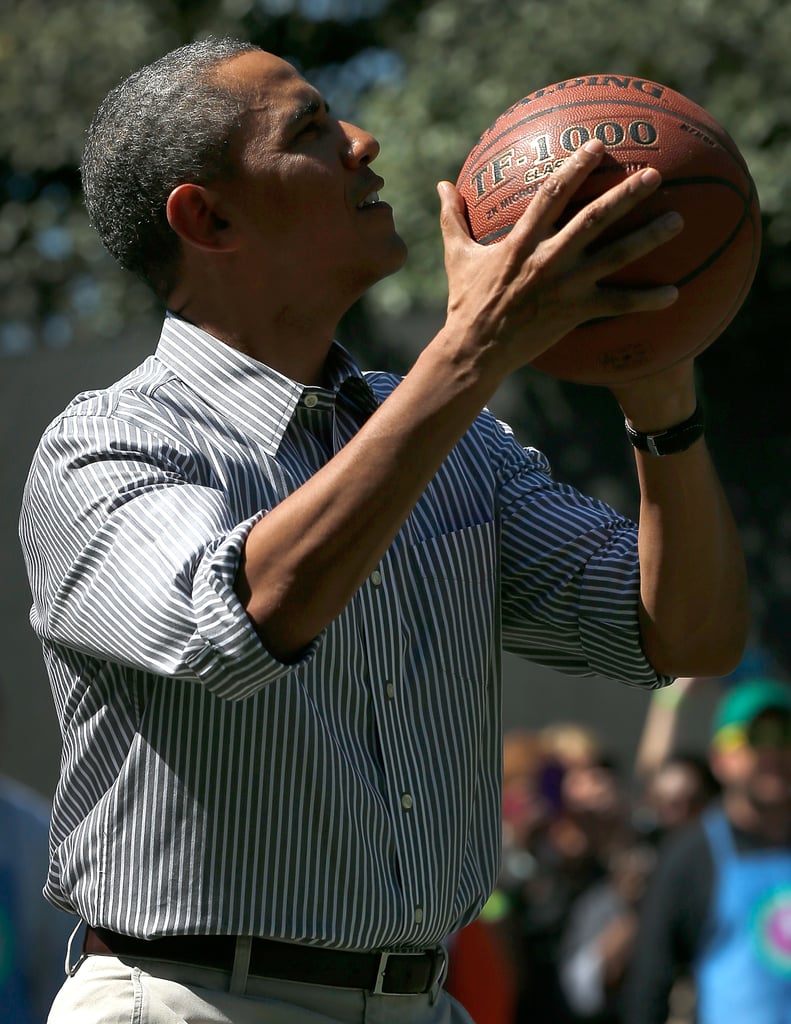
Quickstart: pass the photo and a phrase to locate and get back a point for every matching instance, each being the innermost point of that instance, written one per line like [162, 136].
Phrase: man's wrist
[655, 402]
[669, 440]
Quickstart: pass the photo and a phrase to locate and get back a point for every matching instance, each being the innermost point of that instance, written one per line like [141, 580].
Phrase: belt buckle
[440, 964]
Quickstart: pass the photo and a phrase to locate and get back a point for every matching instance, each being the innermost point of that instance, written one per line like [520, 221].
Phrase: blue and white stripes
[351, 799]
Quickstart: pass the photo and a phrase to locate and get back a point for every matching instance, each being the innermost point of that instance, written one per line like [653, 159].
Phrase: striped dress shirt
[351, 799]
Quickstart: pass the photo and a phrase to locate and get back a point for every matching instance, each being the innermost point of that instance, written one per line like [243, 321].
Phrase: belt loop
[70, 967]
[440, 974]
[381, 970]
[241, 965]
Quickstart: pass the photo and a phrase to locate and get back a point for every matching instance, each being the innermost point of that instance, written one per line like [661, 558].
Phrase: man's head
[751, 740]
[224, 153]
[167, 123]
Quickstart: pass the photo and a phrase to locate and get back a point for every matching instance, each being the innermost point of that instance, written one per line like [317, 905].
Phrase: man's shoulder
[146, 379]
[144, 387]
[382, 382]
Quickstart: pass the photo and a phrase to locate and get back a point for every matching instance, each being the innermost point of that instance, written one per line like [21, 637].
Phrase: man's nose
[360, 147]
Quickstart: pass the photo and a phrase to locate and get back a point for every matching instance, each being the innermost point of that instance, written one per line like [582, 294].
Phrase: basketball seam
[670, 183]
[687, 140]
[730, 313]
[722, 141]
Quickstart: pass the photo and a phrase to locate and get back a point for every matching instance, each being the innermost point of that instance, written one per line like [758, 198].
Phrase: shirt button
[418, 915]
[390, 691]
[311, 401]
[406, 801]
[376, 578]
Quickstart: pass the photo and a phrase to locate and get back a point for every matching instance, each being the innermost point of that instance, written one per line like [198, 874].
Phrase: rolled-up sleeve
[570, 576]
[139, 565]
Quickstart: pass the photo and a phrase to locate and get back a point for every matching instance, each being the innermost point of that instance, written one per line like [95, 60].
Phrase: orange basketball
[704, 177]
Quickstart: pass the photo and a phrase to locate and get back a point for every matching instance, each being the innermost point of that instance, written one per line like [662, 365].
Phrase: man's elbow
[715, 651]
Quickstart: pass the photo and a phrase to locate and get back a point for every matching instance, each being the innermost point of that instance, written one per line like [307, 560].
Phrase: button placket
[385, 667]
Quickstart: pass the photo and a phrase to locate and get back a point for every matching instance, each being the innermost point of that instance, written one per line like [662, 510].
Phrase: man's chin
[393, 262]
[399, 254]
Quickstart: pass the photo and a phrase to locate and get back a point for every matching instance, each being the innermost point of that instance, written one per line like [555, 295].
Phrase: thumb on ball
[453, 220]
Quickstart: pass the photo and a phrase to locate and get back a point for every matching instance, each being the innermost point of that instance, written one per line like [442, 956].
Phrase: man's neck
[295, 347]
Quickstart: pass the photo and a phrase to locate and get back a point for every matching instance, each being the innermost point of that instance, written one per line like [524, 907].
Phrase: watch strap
[671, 440]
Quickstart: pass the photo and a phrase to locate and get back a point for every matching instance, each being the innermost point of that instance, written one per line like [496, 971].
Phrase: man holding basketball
[272, 590]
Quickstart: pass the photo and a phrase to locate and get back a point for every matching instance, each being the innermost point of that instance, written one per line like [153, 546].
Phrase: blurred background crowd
[595, 777]
[656, 892]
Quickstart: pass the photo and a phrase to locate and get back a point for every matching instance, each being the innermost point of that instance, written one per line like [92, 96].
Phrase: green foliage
[57, 61]
[468, 60]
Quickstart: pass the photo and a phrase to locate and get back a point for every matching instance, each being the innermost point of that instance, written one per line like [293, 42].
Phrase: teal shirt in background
[744, 969]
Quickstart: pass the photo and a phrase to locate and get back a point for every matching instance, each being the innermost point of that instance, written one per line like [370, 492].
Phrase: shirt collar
[249, 394]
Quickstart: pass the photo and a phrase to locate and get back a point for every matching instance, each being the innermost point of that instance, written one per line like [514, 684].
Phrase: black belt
[387, 973]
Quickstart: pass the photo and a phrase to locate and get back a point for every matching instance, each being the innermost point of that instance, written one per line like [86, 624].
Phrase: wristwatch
[671, 440]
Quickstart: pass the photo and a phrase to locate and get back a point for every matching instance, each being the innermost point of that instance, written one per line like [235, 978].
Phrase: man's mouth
[374, 185]
[370, 200]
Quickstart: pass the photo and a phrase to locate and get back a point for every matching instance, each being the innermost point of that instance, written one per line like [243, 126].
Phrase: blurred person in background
[571, 744]
[677, 792]
[486, 972]
[529, 799]
[606, 839]
[566, 815]
[672, 787]
[600, 869]
[718, 906]
[671, 790]
[33, 934]
[598, 941]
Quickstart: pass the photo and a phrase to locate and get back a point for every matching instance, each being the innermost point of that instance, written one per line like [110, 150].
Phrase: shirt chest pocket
[451, 615]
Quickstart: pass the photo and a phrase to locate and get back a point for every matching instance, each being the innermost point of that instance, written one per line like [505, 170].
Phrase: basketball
[712, 261]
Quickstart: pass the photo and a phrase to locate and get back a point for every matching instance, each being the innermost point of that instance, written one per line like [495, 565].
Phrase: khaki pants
[107, 990]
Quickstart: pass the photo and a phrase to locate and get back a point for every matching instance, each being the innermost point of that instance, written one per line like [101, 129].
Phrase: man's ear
[193, 212]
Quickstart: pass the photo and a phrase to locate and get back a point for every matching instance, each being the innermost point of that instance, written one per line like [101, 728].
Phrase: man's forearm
[694, 613]
[304, 560]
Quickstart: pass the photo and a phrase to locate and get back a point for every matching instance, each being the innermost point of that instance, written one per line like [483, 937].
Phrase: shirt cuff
[610, 634]
[225, 651]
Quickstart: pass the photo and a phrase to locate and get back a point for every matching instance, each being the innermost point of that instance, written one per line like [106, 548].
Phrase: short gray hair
[168, 123]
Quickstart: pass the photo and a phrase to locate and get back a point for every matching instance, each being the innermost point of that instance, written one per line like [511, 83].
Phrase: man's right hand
[516, 298]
